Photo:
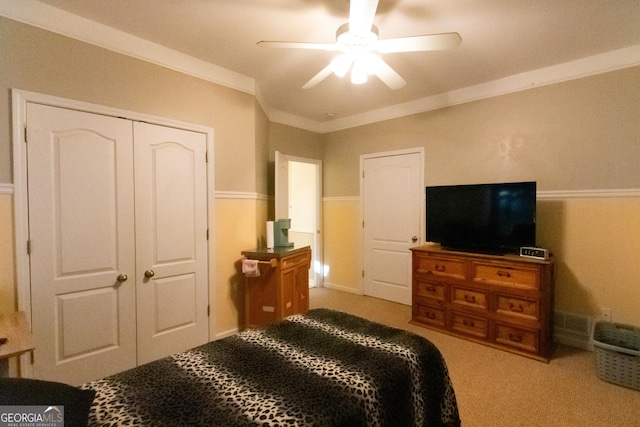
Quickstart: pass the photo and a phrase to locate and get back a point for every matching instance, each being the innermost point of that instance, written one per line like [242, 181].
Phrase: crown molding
[52, 19]
[592, 65]
[67, 24]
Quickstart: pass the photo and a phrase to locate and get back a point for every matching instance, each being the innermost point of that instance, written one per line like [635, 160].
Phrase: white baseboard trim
[347, 289]
[571, 340]
[227, 333]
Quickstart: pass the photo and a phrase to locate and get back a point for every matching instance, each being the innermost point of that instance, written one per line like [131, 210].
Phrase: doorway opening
[299, 198]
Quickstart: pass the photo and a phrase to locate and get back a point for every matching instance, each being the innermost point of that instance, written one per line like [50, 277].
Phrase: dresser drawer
[507, 275]
[469, 297]
[521, 339]
[428, 314]
[432, 290]
[469, 325]
[451, 268]
[523, 308]
[295, 260]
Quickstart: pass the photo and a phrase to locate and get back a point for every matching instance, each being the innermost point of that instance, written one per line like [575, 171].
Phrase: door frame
[316, 270]
[19, 100]
[422, 231]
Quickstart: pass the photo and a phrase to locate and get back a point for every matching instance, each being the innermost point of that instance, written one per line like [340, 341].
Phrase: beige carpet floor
[497, 388]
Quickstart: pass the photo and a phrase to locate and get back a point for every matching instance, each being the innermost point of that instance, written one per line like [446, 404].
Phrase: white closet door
[171, 239]
[80, 174]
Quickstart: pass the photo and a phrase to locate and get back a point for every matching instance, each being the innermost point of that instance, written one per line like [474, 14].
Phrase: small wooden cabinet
[501, 301]
[282, 289]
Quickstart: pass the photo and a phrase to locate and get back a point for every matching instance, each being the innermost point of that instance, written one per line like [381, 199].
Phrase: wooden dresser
[501, 301]
[282, 289]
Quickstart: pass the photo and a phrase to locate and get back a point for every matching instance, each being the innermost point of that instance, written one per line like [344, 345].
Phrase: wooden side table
[15, 328]
[282, 289]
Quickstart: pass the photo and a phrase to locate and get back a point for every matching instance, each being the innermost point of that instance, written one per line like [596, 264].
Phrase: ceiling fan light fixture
[371, 63]
[350, 39]
[341, 64]
[358, 39]
[359, 72]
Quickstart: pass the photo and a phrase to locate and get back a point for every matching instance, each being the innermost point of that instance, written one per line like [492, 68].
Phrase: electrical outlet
[606, 314]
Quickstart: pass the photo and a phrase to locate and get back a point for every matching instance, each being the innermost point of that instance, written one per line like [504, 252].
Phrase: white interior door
[81, 231]
[171, 238]
[392, 188]
[298, 197]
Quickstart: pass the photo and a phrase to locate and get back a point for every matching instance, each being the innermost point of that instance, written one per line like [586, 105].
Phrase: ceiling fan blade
[300, 45]
[323, 74]
[419, 43]
[361, 14]
[387, 74]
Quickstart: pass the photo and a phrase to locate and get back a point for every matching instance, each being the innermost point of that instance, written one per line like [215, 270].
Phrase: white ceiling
[500, 38]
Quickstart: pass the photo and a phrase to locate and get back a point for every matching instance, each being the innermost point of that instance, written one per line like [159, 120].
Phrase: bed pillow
[23, 391]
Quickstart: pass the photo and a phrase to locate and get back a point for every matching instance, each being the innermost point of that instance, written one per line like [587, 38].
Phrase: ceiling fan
[358, 41]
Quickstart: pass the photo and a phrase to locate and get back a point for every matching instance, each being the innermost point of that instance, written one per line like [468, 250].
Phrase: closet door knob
[149, 274]
[122, 277]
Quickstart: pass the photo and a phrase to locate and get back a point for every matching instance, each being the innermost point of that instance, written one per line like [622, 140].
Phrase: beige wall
[574, 138]
[342, 243]
[578, 135]
[39, 61]
[292, 142]
[597, 243]
[7, 283]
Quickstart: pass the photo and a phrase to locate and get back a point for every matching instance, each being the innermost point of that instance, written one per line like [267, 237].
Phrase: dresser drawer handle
[470, 323]
[504, 273]
[440, 268]
[470, 298]
[515, 337]
[430, 289]
[430, 315]
[516, 308]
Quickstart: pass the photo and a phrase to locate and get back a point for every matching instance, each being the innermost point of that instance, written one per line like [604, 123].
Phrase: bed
[324, 368]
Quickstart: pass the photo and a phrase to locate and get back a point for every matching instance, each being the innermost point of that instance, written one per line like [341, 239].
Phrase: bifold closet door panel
[171, 240]
[81, 228]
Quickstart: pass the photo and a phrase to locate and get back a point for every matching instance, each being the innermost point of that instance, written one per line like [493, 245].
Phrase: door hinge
[362, 273]
[25, 134]
[28, 247]
[207, 234]
[362, 223]
[206, 157]
[208, 311]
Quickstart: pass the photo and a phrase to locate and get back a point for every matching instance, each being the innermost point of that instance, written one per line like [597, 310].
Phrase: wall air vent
[572, 329]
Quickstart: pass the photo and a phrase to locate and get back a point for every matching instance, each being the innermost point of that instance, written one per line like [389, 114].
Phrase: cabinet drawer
[469, 297]
[469, 325]
[522, 339]
[436, 291]
[507, 275]
[518, 307]
[451, 268]
[295, 260]
[429, 314]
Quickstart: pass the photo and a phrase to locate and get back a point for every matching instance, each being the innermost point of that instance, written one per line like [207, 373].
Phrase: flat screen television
[487, 218]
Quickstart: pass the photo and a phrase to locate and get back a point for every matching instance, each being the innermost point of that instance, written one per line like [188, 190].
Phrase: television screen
[492, 218]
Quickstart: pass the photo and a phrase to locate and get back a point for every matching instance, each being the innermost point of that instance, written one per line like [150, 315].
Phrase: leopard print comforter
[324, 368]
